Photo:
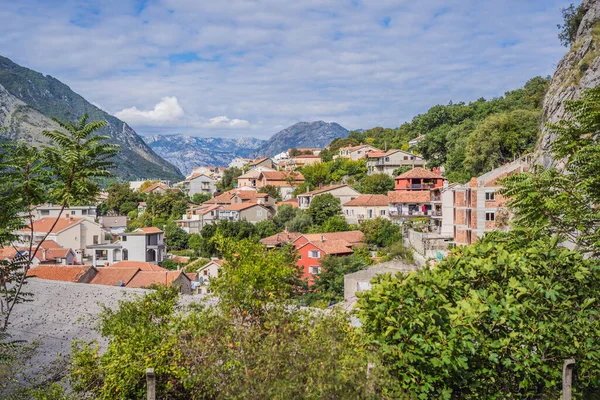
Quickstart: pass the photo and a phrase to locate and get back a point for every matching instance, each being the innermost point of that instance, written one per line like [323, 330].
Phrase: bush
[493, 320]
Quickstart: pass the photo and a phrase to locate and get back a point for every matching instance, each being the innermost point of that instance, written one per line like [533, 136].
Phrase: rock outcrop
[578, 70]
[303, 134]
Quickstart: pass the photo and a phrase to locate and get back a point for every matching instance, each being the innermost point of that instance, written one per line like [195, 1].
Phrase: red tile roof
[145, 231]
[155, 186]
[49, 244]
[9, 252]
[281, 176]
[43, 225]
[410, 196]
[141, 265]
[144, 279]
[338, 246]
[280, 238]
[368, 200]
[291, 202]
[256, 162]
[63, 273]
[353, 237]
[113, 276]
[419, 172]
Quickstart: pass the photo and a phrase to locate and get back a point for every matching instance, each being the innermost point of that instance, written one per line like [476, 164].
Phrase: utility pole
[567, 381]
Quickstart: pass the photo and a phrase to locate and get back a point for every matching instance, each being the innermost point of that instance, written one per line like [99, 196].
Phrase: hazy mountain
[28, 99]
[303, 134]
[186, 152]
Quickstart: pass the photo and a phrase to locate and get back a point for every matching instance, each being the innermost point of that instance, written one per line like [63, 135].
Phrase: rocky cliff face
[303, 134]
[29, 99]
[187, 152]
[578, 70]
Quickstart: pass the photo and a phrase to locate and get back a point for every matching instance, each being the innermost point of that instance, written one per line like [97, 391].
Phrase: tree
[334, 224]
[572, 18]
[285, 213]
[266, 228]
[494, 320]
[563, 202]
[380, 232]
[171, 204]
[499, 138]
[195, 242]
[329, 284]
[121, 197]
[401, 170]
[323, 207]
[376, 184]
[272, 191]
[146, 185]
[300, 223]
[127, 207]
[200, 198]
[76, 161]
[316, 174]
[175, 237]
[229, 177]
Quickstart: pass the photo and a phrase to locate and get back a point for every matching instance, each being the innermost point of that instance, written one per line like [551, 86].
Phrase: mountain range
[28, 100]
[187, 152]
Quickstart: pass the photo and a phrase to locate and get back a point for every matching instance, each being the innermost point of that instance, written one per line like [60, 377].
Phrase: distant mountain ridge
[303, 134]
[187, 152]
[28, 99]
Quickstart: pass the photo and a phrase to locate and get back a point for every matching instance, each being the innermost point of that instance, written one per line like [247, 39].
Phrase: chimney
[322, 238]
[78, 256]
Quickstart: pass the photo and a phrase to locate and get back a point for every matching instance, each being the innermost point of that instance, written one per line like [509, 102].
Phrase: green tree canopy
[376, 184]
[380, 232]
[324, 206]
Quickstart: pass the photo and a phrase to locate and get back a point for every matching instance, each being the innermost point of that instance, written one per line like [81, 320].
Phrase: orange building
[419, 179]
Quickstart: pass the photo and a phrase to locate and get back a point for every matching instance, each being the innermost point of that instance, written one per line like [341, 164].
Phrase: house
[477, 207]
[207, 272]
[239, 162]
[409, 203]
[419, 179]
[142, 207]
[300, 161]
[143, 244]
[251, 212]
[197, 217]
[361, 280]
[342, 192]
[158, 187]
[366, 207]
[262, 162]
[68, 273]
[386, 162]
[415, 141]
[48, 253]
[286, 182]
[68, 232]
[356, 152]
[252, 178]
[114, 224]
[312, 248]
[200, 182]
[53, 210]
[148, 279]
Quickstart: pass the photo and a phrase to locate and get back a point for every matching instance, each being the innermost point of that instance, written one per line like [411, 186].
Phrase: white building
[197, 218]
[366, 207]
[200, 183]
[53, 210]
[342, 192]
[239, 162]
[143, 244]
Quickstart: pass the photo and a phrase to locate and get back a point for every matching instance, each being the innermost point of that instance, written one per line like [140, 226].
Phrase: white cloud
[225, 122]
[167, 110]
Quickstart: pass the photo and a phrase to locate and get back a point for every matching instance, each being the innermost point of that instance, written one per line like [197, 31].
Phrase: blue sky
[250, 68]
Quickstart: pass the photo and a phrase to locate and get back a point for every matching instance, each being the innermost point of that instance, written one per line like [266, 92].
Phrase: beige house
[207, 272]
[262, 162]
[300, 161]
[251, 212]
[356, 152]
[366, 207]
[385, 162]
[342, 192]
[68, 232]
[53, 210]
[196, 218]
[251, 178]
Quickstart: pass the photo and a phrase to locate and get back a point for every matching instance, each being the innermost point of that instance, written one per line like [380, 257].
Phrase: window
[370, 213]
[259, 213]
[84, 212]
[382, 212]
[95, 239]
[387, 159]
[406, 157]
[352, 212]
[346, 211]
[45, 212]
[314, 270]
[314, 254]
[123, 238]
[490, 216]
[490, 196]
[73, 212]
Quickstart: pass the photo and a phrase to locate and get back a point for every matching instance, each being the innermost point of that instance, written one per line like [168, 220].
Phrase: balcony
[436, 198]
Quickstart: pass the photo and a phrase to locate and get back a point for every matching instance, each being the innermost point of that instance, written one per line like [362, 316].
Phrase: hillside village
[114, 249]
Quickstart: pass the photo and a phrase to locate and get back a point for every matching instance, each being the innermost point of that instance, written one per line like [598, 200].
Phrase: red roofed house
[313, 247]
[419, 179]
[286, 182]
[68, 232]
[366, 207]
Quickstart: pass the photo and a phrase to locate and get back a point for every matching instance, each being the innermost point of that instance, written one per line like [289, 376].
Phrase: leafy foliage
[323, 207]
[376, 184]
[495, 319]
[272, 191]
[229, 177]
[572, 17]
[200, 198]
[381, 232]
